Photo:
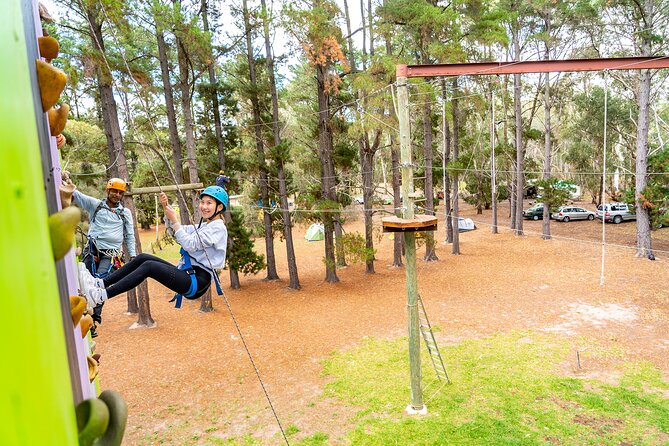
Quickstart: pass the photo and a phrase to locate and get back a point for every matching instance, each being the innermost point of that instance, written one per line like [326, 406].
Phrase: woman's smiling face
[208, 206]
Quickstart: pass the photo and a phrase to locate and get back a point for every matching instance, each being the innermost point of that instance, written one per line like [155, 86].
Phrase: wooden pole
[168, 188]
[406, 165]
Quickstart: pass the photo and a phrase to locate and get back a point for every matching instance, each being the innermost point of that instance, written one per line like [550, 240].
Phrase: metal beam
[533, 66]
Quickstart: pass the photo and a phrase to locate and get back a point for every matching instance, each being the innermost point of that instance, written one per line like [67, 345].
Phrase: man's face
[114, 196]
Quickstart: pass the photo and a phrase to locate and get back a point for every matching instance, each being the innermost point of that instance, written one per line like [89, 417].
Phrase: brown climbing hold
[58, 118]
[77, 308]
[51, 82]
[97, 358]
[48, 47]
[85, 324]
[92, 368]
[44, 14]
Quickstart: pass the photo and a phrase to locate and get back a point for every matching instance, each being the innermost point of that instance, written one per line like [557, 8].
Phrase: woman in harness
[203, 249]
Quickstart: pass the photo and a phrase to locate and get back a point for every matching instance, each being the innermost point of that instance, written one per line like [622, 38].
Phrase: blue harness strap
[188, 267]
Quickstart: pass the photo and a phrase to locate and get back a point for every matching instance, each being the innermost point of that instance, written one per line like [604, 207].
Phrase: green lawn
[504, 391]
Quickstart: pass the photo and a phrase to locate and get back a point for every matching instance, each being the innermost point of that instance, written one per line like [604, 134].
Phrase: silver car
[567, 213]
[616, 212]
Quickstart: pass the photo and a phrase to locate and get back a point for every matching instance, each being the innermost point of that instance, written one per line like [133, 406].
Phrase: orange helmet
[116, 183]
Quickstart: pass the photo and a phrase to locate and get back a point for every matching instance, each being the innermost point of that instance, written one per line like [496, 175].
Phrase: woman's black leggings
[147, 266]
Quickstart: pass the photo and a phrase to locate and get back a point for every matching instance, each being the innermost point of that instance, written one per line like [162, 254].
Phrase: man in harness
[111, 226]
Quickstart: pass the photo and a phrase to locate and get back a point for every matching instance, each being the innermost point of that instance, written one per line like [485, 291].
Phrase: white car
[567, 213]
[616, 212]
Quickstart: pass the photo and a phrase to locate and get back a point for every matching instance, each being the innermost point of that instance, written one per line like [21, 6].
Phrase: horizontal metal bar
[533, 66]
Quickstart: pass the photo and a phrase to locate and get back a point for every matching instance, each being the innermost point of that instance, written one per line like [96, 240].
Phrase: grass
[504, 392]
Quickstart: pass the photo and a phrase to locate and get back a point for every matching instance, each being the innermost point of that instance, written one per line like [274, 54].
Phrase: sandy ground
[191, 376]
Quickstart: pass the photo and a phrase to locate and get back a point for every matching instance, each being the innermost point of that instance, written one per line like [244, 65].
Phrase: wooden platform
[417, 224]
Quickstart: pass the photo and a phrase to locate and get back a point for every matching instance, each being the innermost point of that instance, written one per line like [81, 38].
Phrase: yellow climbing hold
[58, 119]
[61, 227]
[51, 82]
[77, 308]
[48, 47]
[85, 324]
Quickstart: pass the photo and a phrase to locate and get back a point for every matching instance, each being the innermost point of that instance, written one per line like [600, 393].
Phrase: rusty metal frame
[533, 66]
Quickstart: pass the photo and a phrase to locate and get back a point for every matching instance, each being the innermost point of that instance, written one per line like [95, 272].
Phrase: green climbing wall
[36, 402]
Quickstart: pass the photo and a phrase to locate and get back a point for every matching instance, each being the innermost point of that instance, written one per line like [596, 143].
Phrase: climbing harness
[91, 249]
[188, 268]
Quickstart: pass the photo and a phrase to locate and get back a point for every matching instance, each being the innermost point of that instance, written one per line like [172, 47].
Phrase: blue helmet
[217, 193]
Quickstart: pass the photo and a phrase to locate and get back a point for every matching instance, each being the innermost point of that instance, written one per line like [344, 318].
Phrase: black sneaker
[94, 330]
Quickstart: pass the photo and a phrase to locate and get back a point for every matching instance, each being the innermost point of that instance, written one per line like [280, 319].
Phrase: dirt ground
[190, 376]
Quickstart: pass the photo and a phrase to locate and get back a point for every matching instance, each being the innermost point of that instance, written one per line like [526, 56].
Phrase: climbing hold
[48, 47]
[92, 420]
[77, 308]
[92, 368]
[85, 324]
[51, 82]
[58, 119]
[97, 358]
[44, 14]
[61, 228]
[118, 416]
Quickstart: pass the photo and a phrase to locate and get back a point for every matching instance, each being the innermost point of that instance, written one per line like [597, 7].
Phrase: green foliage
[655, 196]
[241, 256]
[355, 248]
[554, 192]
[504, 392]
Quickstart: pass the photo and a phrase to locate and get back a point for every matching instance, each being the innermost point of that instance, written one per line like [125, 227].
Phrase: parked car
[567, 213]
[358, 199]
[616, 212]
[536, 212]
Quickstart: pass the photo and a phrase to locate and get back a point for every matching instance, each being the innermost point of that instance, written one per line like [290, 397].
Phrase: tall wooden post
[406, 165]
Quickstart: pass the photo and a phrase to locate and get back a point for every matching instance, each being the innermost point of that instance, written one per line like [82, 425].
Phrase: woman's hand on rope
[170, 213]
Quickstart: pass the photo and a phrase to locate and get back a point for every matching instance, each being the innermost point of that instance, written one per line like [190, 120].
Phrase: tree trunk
[547, 134]
[287, 223]
[327, 174]
[395, 169]
[138, 298]
[430, 254]
[456, 154]
[206, 302]
[220, 144]
[520, 148]
[349, 37]
[260, 149]
[446, 158]
[186, 102]
[370, 27]
[643, 235]
[175, 143]
[364, 35]
[493, 166]
[367, 152]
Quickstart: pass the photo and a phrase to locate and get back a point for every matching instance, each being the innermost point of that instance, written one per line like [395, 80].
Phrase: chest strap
[188, 268]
